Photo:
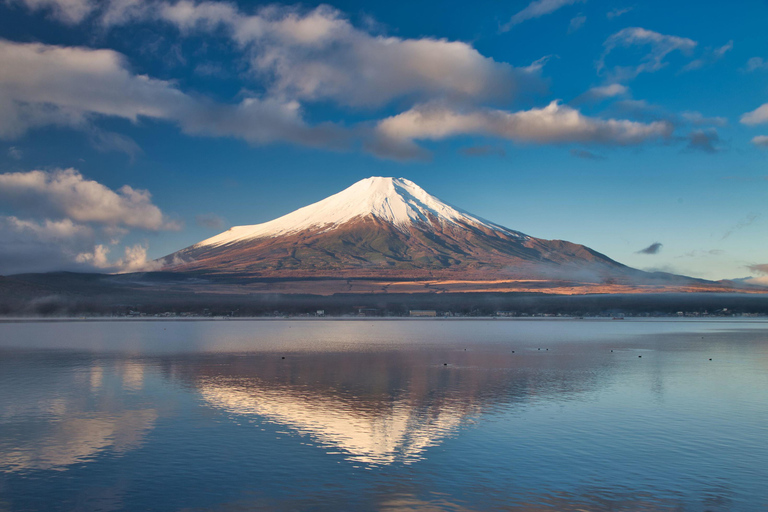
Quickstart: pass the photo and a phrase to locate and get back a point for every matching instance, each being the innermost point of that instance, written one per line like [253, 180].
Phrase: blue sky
[617, 125]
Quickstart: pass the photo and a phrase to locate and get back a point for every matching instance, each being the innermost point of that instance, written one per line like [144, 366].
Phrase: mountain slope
[385, 227]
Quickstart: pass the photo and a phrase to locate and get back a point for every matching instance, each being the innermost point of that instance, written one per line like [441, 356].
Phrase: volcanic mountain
[389, 228]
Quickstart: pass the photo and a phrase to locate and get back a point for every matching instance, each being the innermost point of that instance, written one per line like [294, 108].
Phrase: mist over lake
[364, 414]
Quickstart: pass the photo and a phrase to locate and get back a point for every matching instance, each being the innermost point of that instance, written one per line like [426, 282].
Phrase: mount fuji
[389, 228]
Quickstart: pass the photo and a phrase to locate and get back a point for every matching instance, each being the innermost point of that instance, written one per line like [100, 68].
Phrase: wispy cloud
[576, 23]
[710, 56]
[15, 153]
[760, 268]
[760, 141]
[654, 248]
[210, 221]
[537, 9]
[586, 155]
[702, 253]
[746, 222]
[707, 141]
[602, 92]
[756, 64]
[618, 11]
[658, 45]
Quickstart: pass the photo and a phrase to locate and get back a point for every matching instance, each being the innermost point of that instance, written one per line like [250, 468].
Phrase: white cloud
[660, 45]
[536, 9]
[71, 223]
[603, 92]
[51, 245]
[576, 23]
[555, 123]
[615, 13]
[134, 259]
[318, 55]
[67, 194]
[698, 119]
[756, 63]
[757, 116]
[711, 55]
[67, 11]
[43, 85]
[41, 246]
[760, 141]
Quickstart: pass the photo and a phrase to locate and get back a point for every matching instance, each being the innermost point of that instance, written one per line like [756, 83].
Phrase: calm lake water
[387, 415]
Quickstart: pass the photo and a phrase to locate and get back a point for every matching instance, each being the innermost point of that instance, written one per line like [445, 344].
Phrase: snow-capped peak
[395, 200]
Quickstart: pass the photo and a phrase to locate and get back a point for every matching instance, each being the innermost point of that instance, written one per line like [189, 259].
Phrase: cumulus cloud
[761, 269]
[319, 55]
[658, 47]
[134, 259]
[67, 194]
[555, 123]
[69, 86]
[537, 9]
[72, 223]
[41, 246]
[757, 116]
[654, 248]
[760, 141]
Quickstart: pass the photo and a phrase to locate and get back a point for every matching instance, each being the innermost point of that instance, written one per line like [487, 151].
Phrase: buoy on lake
[282, 357]
[639, 356]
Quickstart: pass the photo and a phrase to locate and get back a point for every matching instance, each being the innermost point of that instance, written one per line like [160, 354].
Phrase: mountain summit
[395, 201]
[388, 228]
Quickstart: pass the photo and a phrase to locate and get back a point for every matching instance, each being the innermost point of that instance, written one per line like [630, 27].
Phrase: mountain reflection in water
[382, 407]
[384, 415]
[57, 415]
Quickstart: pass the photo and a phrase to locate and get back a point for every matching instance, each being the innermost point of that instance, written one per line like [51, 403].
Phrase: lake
[390, 415]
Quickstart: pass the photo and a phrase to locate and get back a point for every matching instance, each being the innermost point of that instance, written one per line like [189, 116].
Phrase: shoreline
[755, 319]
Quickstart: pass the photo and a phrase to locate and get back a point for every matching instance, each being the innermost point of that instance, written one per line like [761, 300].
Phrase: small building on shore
[422, 312]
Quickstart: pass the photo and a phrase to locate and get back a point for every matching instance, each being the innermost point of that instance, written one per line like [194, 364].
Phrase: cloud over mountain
[72, 222]
[555, 123]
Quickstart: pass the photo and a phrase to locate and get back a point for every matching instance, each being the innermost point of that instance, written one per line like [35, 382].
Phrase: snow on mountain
[397, 201]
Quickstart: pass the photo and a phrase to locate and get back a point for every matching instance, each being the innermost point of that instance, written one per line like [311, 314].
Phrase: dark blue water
[384, 415]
